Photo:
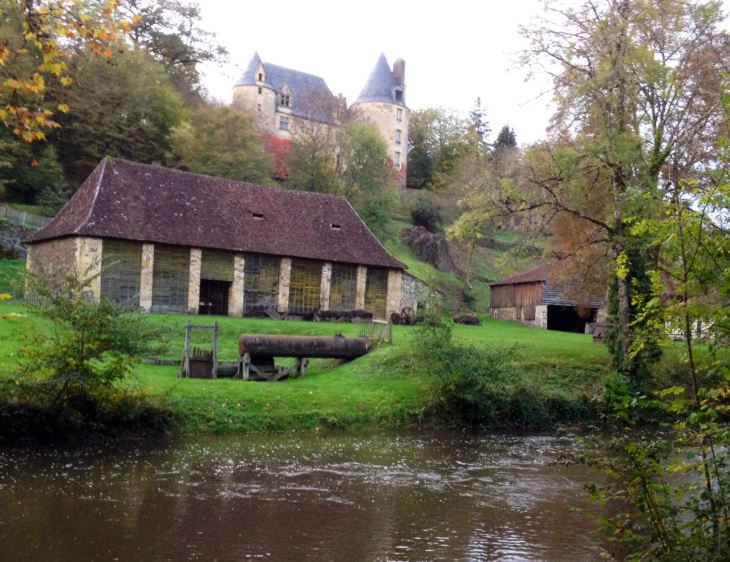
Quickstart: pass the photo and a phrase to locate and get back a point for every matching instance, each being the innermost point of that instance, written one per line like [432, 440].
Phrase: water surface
[340, 497]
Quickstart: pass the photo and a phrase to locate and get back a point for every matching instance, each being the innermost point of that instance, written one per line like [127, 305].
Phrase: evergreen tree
[478, 118]
[505, 139]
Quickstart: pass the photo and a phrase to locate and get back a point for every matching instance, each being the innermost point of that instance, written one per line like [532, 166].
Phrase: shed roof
[131, 201]
[381, 85]
[543, 272]
[560, 285]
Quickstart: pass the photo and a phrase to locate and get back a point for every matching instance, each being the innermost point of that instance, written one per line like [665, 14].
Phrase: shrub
[427, 214]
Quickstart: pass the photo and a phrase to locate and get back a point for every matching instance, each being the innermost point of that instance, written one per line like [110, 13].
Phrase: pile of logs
[468, 319]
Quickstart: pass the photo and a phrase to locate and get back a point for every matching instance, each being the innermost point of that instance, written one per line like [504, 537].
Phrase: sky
[455, 51]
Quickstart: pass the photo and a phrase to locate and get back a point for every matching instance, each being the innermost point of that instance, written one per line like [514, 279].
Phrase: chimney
[399, 70]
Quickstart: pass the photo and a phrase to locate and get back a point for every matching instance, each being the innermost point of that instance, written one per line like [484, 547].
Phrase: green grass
[377, 391]
[31, 209]
[11, 272]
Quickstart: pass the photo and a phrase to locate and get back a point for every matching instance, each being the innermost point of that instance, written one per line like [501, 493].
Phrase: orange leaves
[44, 23]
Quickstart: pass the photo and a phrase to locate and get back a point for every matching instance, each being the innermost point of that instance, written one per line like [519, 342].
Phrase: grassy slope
[376, 391]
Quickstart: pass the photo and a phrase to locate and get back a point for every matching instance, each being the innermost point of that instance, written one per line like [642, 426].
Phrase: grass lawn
[376, 391]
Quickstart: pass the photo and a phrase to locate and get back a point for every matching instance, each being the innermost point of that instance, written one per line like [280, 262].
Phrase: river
[300, 496]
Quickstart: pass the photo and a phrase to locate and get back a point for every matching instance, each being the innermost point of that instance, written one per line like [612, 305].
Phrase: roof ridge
[96, 194]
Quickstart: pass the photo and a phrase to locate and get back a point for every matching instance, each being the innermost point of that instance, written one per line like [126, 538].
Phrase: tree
[36, 49]
[125, 108]
[506, 139]
[312, 160]
[439, 139]
[638, 88]
[479, 121]
[368, 178]
[220, 141]
[170, 31]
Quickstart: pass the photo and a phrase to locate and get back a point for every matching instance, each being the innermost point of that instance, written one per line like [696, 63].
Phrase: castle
[284, 99]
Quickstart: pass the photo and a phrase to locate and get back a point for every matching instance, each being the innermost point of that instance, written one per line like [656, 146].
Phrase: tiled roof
[131, 201]
[541, 273]
[276, 76]
[381, 85]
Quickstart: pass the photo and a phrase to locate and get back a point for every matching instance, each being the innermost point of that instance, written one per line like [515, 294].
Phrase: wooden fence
[22, 218]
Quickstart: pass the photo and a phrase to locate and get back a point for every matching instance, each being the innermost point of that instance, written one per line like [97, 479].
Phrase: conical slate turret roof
[381, 85]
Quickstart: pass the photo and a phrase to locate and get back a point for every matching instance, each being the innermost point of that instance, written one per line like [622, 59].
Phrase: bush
[427, 214]
[73, 375]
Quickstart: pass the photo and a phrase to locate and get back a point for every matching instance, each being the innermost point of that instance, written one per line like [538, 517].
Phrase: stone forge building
[281, 97]
[544, 298]
[167, 241]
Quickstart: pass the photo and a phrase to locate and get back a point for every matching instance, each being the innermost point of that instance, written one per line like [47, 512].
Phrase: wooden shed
[549, 297]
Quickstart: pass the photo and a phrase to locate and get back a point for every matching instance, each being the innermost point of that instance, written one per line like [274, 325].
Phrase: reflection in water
[340, 497]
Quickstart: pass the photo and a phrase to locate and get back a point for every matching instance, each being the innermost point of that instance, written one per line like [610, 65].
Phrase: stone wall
[196, 260]
[325, 286]
[395, 292]
[413, 291]
[362, 276]
[52, 256]
[284, 284]
[235, 296]
[146, 277]
[88, 263]
[517, 314]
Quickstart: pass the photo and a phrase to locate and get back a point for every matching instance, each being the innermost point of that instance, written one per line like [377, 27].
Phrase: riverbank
[559, 374]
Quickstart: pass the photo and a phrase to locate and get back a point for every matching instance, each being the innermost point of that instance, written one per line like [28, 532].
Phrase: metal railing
[22, 218]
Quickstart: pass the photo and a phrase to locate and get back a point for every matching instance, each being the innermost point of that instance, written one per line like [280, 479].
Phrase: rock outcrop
[431, 248]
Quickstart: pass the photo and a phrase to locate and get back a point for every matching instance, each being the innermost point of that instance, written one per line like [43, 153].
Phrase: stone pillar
[146, 277]
[362, 278]
[602, 315]
[541, 313]
[235, 296]
[325, 286]
[284, 279]
[88, 263]
[196, 259]
[395, 292]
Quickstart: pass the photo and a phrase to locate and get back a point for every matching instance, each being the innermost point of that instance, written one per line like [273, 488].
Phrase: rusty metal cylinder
[303, 346]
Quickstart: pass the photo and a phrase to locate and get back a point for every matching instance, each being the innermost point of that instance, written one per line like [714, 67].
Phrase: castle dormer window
[398, 95]
[261, 76]
[284, 100]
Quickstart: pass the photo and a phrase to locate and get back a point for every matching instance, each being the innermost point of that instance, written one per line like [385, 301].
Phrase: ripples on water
[340, 497]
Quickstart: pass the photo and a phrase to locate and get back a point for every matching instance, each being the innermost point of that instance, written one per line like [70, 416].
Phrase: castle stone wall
[384, 116]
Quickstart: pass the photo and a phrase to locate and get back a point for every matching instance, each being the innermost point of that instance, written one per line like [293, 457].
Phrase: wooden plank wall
[261, 283]
[304, 285]
[376, 291]
[171, 275]
[121, 267]
[343, 292]
[518, 294]
[217, 265]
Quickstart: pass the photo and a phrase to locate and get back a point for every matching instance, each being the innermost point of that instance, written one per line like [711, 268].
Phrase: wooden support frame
[245, 366]
[189, 327]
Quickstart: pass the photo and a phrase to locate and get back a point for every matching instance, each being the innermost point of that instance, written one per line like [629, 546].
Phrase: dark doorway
[567, 319]
[214, 297]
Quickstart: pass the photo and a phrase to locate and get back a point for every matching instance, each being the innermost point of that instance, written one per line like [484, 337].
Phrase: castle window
[398, 95]
[261, 77]
[260, 89]
[284, 100]
[399, 114]
[258, 110]
[284, 123]
[397, 136]
[397, 159]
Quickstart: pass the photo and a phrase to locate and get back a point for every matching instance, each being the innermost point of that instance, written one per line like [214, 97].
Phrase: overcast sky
[454, 50]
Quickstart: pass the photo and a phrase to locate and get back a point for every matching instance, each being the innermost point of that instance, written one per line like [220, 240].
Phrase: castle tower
[383, 101]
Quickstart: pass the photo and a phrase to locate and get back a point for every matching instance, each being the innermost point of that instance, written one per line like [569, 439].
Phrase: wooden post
[246, 366]
[186, 360]
[215, 350]
[305, 364]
